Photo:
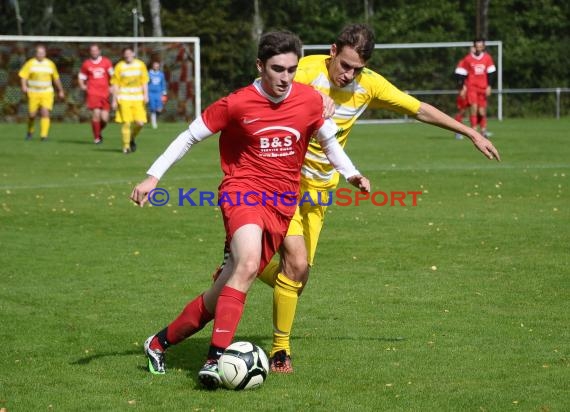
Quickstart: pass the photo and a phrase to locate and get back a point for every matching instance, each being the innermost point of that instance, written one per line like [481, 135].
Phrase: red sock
[473, 120]
[483, 122]
[459, 117]
[228, 314]
[103, 125]
[192, 319]
[96, 127]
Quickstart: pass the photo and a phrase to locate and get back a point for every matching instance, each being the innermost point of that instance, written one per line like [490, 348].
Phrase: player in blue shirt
[157, 94]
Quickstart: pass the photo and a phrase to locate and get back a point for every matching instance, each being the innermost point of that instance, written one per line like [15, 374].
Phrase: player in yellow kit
[130, 96]
[37, 77]
[341, 75]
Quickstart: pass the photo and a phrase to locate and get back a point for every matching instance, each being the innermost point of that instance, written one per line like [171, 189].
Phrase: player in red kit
[265, 131]
[476, 73]
[94, 77]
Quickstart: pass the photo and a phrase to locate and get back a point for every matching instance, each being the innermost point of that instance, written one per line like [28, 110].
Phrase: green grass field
[458, 304]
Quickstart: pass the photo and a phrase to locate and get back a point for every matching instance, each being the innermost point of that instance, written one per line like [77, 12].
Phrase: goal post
[442, 64]
[180, 58]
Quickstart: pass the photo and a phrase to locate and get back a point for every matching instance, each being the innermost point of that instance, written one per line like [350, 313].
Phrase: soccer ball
[243, 365]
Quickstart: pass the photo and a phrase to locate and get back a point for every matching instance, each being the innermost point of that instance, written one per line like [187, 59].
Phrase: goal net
[426, 71]
[180, 58]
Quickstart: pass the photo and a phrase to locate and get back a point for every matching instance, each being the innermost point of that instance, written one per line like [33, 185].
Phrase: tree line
[535, 35]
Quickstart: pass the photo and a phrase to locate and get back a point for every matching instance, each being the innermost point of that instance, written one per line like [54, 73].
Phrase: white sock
[153, 119]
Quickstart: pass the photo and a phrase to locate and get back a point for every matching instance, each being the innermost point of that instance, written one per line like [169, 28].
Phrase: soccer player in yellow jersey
[130, 96]
[37, 77]
[341, 75]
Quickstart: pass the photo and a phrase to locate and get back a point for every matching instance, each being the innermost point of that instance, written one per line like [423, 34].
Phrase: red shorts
[273, 223]
[462, 103]
[477, 96]
[98, 102]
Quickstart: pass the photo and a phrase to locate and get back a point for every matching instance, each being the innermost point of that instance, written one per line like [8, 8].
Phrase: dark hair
[278, 42]
[479, 40]
[127, 48]
[358, 36]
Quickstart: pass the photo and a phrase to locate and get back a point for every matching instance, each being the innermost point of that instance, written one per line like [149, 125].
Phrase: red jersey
[476, 69]
[263, 142]
[97, 74]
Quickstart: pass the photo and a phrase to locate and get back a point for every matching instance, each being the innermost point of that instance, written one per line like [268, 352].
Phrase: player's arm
[145, 92]
[460, 77]
[196, 132]
[82, 80]
[338, 158]
[24, 84]
[431, 115]
[59, 87]
[24, 74]
[491, 74]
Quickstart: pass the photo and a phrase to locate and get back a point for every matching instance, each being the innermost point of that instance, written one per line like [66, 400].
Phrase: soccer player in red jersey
[265, 131]
[94, 77]
[476, 72]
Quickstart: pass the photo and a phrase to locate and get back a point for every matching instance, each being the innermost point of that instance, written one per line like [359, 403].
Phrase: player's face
[129, 55]
[155, 66]
[344, 66]
[40, 53]
[94, 52]
[277, 73]
[479, 48]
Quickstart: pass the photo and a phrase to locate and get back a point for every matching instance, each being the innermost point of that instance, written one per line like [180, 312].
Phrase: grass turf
[457, 304]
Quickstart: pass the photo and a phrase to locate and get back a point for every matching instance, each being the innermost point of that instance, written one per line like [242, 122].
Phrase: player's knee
[295, 267]
[247, 268]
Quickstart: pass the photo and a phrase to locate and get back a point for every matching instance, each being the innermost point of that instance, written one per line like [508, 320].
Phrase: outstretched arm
[431, 115]
[196, 132]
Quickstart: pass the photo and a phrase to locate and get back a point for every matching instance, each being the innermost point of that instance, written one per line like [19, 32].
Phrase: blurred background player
[341, 75]
[130, 95]
[157, 93]
[94, 77]
[461, 101]
[37, 77]
[476, 73]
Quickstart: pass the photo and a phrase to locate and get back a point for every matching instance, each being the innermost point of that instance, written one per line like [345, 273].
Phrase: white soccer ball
[243, 365]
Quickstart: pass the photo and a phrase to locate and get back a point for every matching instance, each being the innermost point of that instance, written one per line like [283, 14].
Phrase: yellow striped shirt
[39, 75]
[368, 88]
[129, 78]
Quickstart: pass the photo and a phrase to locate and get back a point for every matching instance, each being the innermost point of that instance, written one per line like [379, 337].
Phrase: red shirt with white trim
[476, 69]
[97, 74]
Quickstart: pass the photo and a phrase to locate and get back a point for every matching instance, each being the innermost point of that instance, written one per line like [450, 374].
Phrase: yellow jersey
[129, 78]
[39, 75]
[368, 88]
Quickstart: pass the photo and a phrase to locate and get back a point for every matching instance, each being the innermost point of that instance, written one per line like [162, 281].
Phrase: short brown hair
[358, 36]
[278, 42]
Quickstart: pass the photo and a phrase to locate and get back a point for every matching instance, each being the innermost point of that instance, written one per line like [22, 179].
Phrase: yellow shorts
[39, 99]
[131, 111]
[309, 218]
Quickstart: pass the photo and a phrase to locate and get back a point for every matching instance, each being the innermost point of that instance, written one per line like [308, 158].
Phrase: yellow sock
[136, 129]
[269, 274]
[31, 125]
[126, 134]
[285, 297]
[44, 127]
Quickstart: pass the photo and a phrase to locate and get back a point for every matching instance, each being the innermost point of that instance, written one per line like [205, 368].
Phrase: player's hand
[61, 95]
[24, 89]
[488, 91]
[486, 147]
[328, 106]
[164, 98]
[139, 195]
[114, 104]
[360, 182]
